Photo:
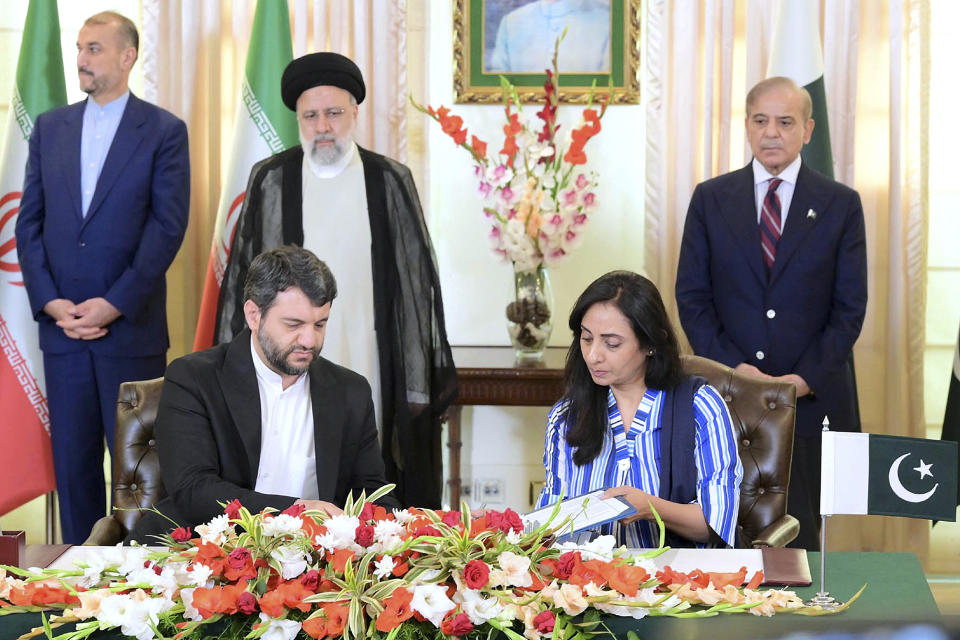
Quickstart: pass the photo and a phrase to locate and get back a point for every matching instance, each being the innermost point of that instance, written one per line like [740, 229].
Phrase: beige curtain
[194, 54]
[701, 57]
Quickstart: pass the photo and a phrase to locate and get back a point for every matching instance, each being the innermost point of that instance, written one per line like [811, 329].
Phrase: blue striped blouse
[719, 471]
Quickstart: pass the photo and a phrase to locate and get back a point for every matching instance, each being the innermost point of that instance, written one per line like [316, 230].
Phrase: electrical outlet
[489, 490]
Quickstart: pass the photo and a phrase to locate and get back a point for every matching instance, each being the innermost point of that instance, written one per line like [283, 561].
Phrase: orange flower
[339, 559]
[41, 593]
[217, 599]
[396, 609]
[625, 578]
[315, 627]
[588, 571]
[212, 556]
[337, 614]
[293, 593]
[399, 568]
[271, 603]
[479, 146]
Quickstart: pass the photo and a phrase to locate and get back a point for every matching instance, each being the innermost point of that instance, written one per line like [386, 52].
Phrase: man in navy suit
[772, 280]
[104, 209]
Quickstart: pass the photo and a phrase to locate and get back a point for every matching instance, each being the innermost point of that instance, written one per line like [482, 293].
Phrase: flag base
[823, 599]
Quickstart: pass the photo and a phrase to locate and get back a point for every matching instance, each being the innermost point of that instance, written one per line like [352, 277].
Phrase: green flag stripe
[816, 154]
[24, 121]
[912, 477]
[40, 80]
[264, 126]
[271, 50]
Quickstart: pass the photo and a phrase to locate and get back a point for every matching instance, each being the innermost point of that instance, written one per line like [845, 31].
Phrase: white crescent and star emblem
[900, 490]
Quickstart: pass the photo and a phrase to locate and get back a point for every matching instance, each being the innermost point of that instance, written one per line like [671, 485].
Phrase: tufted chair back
[136, 467]
[763, 414]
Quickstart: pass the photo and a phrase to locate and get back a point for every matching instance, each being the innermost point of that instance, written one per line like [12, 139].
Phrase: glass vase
[530, 313]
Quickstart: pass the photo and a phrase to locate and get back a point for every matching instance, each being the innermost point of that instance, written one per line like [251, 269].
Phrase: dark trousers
[82, 394]
[803, 496]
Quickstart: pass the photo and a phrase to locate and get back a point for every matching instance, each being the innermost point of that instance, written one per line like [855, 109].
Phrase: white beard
[326, 155]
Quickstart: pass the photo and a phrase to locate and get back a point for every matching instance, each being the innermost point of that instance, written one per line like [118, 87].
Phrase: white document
[588, 510]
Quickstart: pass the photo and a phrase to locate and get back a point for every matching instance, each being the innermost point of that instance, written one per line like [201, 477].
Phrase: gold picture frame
[476, 80]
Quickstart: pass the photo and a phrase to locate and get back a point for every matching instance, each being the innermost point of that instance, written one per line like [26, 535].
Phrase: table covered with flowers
[413, 574]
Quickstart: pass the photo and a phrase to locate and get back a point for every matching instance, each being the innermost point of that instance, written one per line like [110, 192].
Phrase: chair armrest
[780, 533]
[107, 531]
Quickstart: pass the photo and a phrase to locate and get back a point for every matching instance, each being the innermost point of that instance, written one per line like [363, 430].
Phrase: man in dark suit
[772, 279]
[104, 209]
[263, 418]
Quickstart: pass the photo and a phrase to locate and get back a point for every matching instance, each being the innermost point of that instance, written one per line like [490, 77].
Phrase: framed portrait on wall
[515, 39]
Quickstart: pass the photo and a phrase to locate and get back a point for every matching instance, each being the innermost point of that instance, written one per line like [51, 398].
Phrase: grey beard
[326, 155]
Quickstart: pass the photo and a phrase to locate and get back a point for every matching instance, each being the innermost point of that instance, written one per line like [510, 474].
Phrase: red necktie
[770, 224]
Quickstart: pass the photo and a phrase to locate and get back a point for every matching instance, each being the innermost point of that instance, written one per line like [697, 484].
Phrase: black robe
[417, 376]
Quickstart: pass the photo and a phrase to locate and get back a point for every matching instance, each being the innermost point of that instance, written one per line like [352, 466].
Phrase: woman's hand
[639, 500]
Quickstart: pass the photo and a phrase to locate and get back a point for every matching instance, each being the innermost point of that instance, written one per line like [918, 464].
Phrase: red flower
[310, 580]
[451, 518]
[426, 531]
[396, 609]
[247, 603]
[238, 558]
[239, 565]
[545, 621]
[364, 535]
[233, 509]
[181, 534]
[366, 513]
[566, 564]
[456, 625]
[506, 521]
[476, 574]
[294, 510]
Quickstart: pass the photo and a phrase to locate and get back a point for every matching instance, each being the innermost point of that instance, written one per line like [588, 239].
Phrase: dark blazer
[208, 436]
[122, 248]
[806, 317]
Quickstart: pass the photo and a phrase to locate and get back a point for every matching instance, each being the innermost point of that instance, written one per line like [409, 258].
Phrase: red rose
[294, 510]
[181, 534]
[366, 514]
[457, 625]
[247, 603]
[476, 574]
[238, 558]
[511, 521]
[364, 535]
[233, 509]
[494, 519]
[545, 621]
[451, 518]
[566, 564]
[310, 580]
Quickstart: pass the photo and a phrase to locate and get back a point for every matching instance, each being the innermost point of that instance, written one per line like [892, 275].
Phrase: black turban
[316, 69]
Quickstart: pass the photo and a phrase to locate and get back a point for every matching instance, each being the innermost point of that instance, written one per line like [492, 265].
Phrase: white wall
[507, 444]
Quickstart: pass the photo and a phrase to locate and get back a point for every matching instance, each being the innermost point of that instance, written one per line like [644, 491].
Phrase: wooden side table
[493, 376]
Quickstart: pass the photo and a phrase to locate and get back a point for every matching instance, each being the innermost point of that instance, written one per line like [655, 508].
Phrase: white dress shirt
[287, 456]
[761, 178]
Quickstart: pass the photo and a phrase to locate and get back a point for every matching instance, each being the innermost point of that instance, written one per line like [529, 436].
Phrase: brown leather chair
[763, 414]
[136, 467]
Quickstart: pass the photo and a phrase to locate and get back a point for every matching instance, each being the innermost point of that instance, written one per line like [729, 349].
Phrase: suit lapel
[799, 224]
[70, 160]
[738, 206]
[238, 381]
[126, 140]
[328, 422]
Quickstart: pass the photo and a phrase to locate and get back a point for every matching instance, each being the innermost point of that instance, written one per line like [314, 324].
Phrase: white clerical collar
[332, 170]
[267, 376]
[761, 175]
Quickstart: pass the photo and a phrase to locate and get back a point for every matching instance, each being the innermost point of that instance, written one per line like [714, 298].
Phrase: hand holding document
[588, 510]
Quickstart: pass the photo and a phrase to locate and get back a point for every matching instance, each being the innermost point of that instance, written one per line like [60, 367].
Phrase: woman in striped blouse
[676, 453]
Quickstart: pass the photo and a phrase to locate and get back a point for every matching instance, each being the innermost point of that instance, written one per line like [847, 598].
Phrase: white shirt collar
[335, 169]
[267, 376]
[761, 175]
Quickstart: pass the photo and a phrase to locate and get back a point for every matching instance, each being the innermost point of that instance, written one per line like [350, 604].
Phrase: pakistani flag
[951, 418]
[796, 54]
[26, 463]
[263, 126]
[863, 473]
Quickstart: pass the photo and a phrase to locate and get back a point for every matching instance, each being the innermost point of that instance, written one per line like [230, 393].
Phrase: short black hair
[125, 26]
[288, 266]
[639, 301]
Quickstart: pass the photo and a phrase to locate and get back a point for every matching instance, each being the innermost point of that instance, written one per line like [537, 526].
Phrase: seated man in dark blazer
[265, 419]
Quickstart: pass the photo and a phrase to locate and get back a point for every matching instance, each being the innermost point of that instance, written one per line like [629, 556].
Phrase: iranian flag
[864, 473]
[797, 54]
[26, 462]
[263, 126]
